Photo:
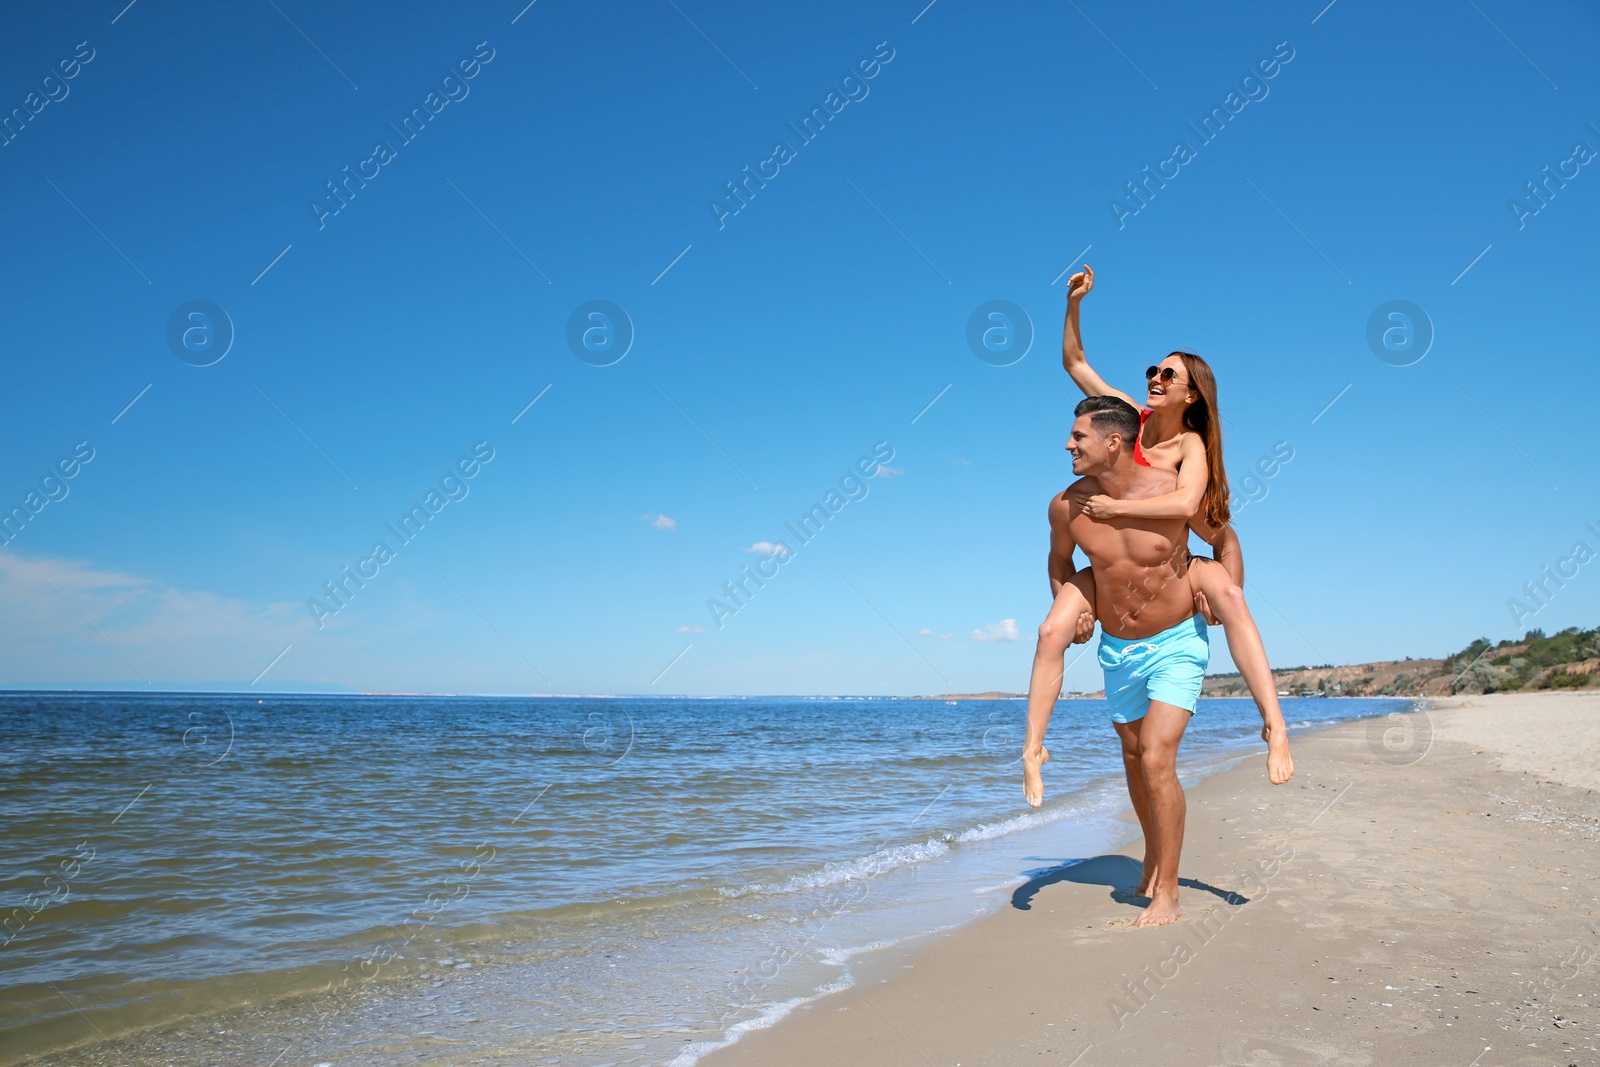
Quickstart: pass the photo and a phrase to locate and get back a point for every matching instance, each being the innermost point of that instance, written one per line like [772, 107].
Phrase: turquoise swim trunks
[1167, 666]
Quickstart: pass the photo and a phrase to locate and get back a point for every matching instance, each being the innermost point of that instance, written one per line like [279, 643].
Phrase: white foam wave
[878, 862]
[884, 860]
[694, 1052]
[841, 956]
[990, 830]
[774, 1013]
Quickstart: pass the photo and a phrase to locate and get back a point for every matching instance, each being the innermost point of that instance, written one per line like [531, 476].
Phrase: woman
[1180, 431]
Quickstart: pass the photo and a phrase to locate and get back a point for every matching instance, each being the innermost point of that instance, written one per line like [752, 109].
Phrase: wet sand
[1425, 890]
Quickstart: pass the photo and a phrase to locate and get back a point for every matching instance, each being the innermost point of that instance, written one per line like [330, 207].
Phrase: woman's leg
[1226, 600]
[1070, 621]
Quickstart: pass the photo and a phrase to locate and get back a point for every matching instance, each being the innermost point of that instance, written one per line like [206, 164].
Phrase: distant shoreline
[1535, 662]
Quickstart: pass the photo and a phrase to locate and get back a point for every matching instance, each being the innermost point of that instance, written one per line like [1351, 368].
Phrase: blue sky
[775, 347]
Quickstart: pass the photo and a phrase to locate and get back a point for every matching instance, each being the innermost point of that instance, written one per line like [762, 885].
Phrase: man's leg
[1227, 601]
[1139, 793]
[1059, 629]
[1159, 733]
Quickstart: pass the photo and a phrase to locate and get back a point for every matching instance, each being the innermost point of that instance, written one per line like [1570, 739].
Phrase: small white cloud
[769, 548]
[958, 462]
[660, 522]
[691, 629]
[925, 632]
[1004, 630]
[888, 472]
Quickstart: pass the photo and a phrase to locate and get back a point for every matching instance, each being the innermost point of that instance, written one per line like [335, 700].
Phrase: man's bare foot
[1032, 779]
[1147, 878]
[1163, 909]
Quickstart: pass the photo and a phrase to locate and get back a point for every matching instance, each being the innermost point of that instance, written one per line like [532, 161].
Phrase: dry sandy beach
[1424, 891]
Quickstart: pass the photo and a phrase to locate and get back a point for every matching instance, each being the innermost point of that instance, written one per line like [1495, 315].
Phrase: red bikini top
[1138, 449]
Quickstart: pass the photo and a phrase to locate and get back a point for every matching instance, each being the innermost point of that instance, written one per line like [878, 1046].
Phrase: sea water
[302, 880]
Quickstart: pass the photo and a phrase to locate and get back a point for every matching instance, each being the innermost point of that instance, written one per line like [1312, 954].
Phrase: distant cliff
[1566, 660]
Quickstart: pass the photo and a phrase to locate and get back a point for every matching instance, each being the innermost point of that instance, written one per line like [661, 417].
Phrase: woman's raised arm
[1072, 357]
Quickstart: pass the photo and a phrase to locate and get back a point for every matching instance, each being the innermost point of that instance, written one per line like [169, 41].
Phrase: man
[1153, 647]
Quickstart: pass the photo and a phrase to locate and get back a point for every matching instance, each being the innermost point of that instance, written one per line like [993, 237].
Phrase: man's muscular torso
[1140, 565]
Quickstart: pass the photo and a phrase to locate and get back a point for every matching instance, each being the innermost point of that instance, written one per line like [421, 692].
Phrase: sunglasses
[1166, 374]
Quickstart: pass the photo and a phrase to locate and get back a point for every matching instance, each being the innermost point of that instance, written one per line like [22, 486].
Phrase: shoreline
[1422, 888]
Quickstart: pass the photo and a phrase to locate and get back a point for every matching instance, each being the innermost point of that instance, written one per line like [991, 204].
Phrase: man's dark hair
[1109, 415]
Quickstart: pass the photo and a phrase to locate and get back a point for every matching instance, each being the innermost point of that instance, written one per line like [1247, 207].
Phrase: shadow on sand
[1119, 873]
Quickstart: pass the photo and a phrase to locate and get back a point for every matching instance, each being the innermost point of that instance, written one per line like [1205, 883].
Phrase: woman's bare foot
[1163, 909]
[1032, 779]
[1280, 764]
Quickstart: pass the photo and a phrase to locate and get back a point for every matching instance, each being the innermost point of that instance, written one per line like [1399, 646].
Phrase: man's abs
[1140, 578]
[1140, 602]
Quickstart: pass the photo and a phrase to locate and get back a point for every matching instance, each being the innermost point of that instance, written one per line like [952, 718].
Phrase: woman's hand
[1102, 508]
[1079, 284]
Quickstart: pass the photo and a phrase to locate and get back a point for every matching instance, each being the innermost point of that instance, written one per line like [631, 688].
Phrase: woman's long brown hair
[1202, 418]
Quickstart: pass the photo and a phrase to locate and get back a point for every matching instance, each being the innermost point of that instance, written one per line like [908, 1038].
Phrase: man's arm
[1225, 543]
[1062, 544]
[1062, 568]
